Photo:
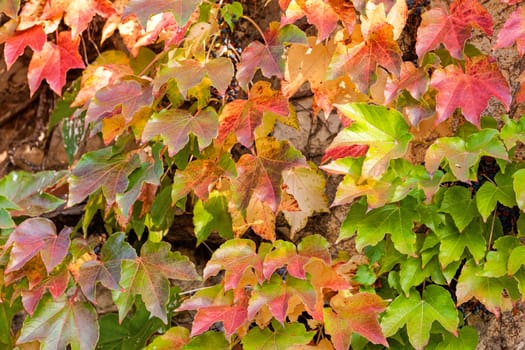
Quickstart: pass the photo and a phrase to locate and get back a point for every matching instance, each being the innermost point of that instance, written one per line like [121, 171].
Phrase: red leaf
[243, 116]
[33, 37]
[513, 31]
[53, 62]
[470, 91]
[144, 9]
[412, 79]
[256, 55]
[232, 317]
[452, 28]
[318, 12]
[342, 151]
[284, 254]
[37, 236]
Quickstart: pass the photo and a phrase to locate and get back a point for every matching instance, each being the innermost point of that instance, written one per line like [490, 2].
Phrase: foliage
[187, 114]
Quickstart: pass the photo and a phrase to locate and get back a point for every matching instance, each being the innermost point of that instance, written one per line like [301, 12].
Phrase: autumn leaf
[414, 80]
[72, 323]
[174, 338]
[281, 338]
[212, 216]
[175, 126]
[241, 117]
[10, 7]
[419, 313]
[144, 9]
[101, 169]
[354, 313]
[383, 130]
[284, 254]
[513, 31]
[107, 269]
[53, 62]
[261, 175]
[234, 256]
[37, 236]
[261, 218]
[451, 27]
[470, 90]
[319, 13]
[232, 317]
[147, 276]
[14, 46]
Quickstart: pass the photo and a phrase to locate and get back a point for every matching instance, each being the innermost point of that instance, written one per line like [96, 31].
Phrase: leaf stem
[256, 26]
[489, 243]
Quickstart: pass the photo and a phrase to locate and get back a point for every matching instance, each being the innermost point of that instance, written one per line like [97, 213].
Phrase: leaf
[470, 90]
[414, 80]
[418, 314]
[513, 31]
[276, 294]
[234, 256]
[175, 126]
[148, 276]
[307, 186]
[467, 339]
[107, 269]
[319, 13]
[181, 9]
[492, 292]
[211, 339]
[451, 27]
[354, 313]
[53, 62]
[284, 254]
[126, 98]
[101, 169]
[490, 193]
[261, 218]
[261, 175]
[212, 216]
[453, 243]
[241, 117]
[37, 236]
[519, 187]
[458, 202]
[361, 60]
[397, 219]
[174, 338]
[28, 192]
[10, 7]
[232, 317]
[383, 130]
[132, 332]
[14, 46]
[281, 338]
[73, 323]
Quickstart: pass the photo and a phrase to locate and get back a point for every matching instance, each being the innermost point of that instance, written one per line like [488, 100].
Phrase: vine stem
[153, 61]
[256, 26]
[489, 243]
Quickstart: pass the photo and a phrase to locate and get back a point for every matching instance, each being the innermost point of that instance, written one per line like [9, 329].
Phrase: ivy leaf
[489, 194]
[107, 269]
[73, 323]
[53, 62]
[361, 60]
[519, 187]
[493, 293]
[101, 169]
[418, 314]
[235, 256]
[232, 317]
[15, 45]
[453, 243]
[467, 339]
[282, 338]
[513, 31]
[383, 130]
[470, 90]
[261, 218]
[414, 80]
[458, 202]
[243, 116]
[125, 98]
[144, 9]
[37, 236]
[307, 186]
[212, 216]
[451, 27]
[174, 338]
[276, 294]
[175, 126]
[148, 276]
[261, 175]
[10, 7]
[212, 339]
[27, 192]
[354, 313]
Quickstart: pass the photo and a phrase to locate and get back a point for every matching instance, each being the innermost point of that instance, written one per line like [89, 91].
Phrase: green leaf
[453, 243]
[516, 260]
[458, 202]
[24, 193]
[174, 338]
[489, 194]
[208, 340]
[396, 219]
[62, 108]
[212, 216]
[418, 314]
[231, 12]
[412, 274]
[349, 227]
[132, 333]
[281, 338]
[383, 130]
[148, 276]
[73, 132]
[467, 339]
[73, 323]
[101, 169]
[513, 131]
[519, 187]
